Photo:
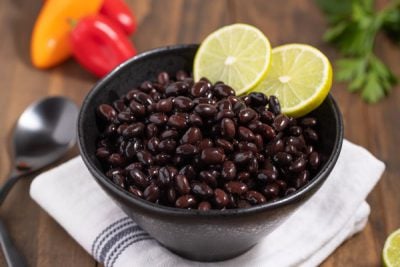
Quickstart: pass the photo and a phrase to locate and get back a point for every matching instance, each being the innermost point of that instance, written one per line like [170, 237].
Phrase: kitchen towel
[336, 212]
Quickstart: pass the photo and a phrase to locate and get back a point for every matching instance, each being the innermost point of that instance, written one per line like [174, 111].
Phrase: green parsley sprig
[353, 27]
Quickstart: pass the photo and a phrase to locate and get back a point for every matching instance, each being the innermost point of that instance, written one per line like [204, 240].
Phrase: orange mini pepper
[50, 44]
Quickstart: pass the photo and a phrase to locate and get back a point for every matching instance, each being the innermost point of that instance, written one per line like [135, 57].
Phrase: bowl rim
[101, 178]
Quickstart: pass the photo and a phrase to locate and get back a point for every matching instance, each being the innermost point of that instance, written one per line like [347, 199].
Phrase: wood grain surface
[377, 127]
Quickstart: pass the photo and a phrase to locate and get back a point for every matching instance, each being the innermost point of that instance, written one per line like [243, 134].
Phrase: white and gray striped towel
[336, 212]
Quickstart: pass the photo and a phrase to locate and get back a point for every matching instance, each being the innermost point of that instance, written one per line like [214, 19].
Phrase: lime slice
[391, 250]
[300, 76]
[238, 54]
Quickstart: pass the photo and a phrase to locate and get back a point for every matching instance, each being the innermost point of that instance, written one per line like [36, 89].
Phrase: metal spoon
[44, 132]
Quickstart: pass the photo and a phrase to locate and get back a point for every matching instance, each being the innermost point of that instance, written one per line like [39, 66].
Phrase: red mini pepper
[99, 45]
[118, 11]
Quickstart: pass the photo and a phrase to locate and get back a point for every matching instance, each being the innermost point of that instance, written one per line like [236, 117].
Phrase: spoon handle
[11, 253]
[6, 187]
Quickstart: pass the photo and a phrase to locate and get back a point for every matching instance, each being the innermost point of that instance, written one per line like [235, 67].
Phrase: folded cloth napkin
[336, 212]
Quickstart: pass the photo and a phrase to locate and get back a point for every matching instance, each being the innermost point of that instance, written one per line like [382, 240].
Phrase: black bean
[164, 105]
[201, 190]
[283, 158]
[185, 201]
[212, 155]
[144, 157]
[116, 159]
[246, 115]
[177, 121]
[107, 112]
[223, 90]
[310, 135]
[235, 187]
[228, 128]
[200, 88]
[192, 136]
[134, 130]
[183, 103]
[135, 191]
[228, 170]
[267, 175]
[271, 191]
[169, 134]
[167, 145]
[301, 179]
[163, 78]
[195, 120]
[280, 122]
[221, 198]
[314, 160]
[182, 184]
[139, 178]
[258, 99]
[151, 193]
[245, 134]
[204, 206]
[298, 165]
[158, 118]
[274, 105]
[242, 158]
[206, 110]
[181, 75]
[187, 150]
[255, 197]
[224, 144]
[308, 122]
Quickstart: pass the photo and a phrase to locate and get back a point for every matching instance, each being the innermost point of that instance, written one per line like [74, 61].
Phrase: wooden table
[376, 127]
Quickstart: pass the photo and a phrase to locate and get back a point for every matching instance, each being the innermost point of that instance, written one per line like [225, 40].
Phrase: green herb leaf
[353, 26]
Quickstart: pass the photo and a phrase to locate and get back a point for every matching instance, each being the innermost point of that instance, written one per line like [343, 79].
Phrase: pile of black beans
[198, 146]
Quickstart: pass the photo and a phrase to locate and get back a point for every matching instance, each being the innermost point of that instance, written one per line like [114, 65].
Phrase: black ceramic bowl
[204, 236]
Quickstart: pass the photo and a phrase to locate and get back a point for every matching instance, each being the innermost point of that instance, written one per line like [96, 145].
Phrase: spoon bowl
[44, 132]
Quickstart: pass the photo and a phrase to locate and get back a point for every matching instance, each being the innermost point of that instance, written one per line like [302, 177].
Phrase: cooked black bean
[201, 190]
[212, 155]
[192, 136]
[245, 134]
[221, 198]
[183, 103]
[298, 165]
[169, 134]
[242, 158]
[116, 159]
[206, 110]
[152, 193]
[255, 197]
[107, 112]
[310, 135]
[280, 122]
[228, 170]
[185, 201]
[204, 206]
[235, 187]
[223, 90]
[182, 184]
[177, 121]
[139, 178]
[273, 105]
[187, 150]
[224, 144]
[266, 175]
[135, 191]
[314, 160]
[246, 115]
[198, 146]
[271, 191]
[164, 105]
